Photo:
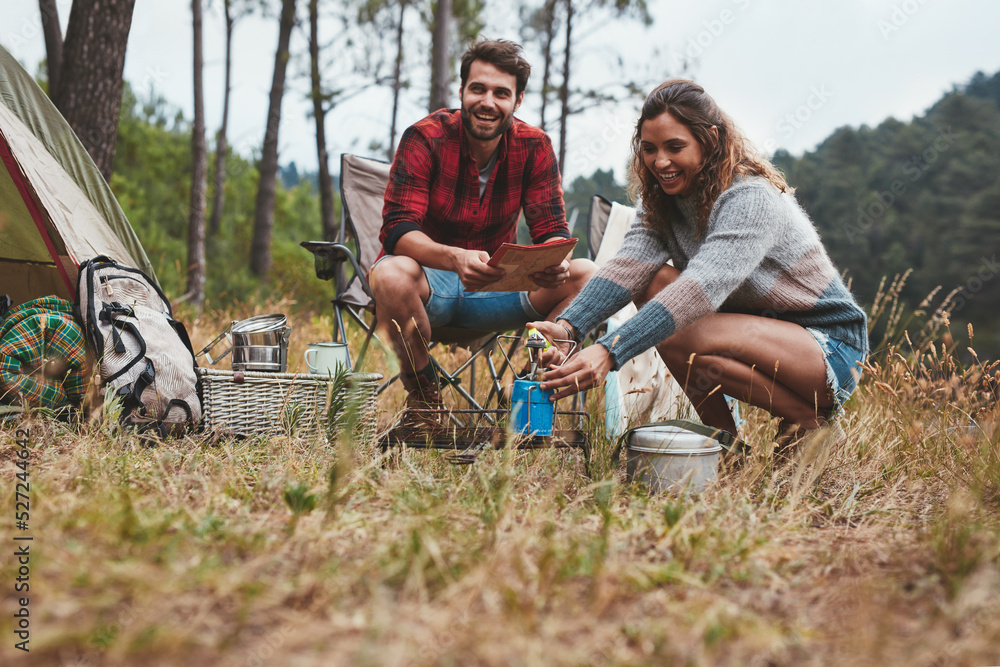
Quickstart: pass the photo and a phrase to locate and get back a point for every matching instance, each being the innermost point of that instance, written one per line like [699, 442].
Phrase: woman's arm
[745, 224]
[624, 278]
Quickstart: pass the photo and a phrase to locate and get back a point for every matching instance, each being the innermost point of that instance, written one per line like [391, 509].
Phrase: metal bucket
[261, 344]
[672, 459]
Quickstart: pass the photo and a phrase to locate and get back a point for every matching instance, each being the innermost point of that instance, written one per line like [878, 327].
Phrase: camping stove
[532, 411]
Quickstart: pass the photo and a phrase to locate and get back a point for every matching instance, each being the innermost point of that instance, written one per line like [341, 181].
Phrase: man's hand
[473, 270]
[579, 373]
[552, 277]
[555, 334]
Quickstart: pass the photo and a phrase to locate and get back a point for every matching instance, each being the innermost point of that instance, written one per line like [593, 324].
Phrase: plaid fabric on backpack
[43, 360]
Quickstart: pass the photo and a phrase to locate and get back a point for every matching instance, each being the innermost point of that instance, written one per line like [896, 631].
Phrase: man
[458, 184]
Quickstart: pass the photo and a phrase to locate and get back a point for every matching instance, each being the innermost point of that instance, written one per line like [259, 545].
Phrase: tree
[199, 172]
[440, 61]
[540, 24]
[260, 249]
[918, 196]
[564, 88]
[53, 42]
[397, 78]
[382, 19]
[319, 114]
[461, 17]
[88, 71]
[221, 141]
[621, 8]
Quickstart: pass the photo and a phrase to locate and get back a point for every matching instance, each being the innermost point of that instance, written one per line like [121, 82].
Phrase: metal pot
[672, 458]
[258, 344]
[261, 344]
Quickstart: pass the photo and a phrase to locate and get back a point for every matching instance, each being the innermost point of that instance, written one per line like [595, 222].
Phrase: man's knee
[580, 272]
[664, 276]
[394, 277]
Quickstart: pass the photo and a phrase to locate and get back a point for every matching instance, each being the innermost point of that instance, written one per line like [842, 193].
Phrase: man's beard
[468, 121]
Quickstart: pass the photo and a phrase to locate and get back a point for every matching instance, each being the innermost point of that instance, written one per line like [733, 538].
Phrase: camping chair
[597, 222]
[362, 190]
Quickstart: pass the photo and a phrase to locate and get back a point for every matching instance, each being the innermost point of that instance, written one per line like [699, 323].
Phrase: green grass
[287, 550]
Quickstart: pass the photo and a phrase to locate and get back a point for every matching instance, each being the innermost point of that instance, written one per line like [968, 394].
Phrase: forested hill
[922, 195]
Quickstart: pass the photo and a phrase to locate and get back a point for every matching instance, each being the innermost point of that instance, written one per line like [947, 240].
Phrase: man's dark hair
[503, 54]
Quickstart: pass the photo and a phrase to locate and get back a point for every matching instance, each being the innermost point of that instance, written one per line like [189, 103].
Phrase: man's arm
[407, 194]
[545, 212]
[555, 275]
[542, 195]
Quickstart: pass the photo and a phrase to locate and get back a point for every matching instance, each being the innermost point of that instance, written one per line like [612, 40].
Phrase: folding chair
[362, 191]
[597, 222]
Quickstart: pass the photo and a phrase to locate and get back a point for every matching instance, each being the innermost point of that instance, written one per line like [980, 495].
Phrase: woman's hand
[579, 373]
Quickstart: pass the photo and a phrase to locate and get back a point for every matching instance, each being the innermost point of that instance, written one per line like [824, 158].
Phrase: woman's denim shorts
[843, 366]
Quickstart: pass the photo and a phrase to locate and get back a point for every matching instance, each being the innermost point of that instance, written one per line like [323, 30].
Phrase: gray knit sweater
[760, 255]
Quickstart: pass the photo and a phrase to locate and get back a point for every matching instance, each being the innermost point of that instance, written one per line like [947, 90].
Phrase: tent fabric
[74, 217]
[81, 217]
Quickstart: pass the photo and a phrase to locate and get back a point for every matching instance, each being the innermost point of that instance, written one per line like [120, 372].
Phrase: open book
[520, 261]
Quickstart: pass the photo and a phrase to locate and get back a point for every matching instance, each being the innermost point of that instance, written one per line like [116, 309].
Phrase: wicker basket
[289, 403]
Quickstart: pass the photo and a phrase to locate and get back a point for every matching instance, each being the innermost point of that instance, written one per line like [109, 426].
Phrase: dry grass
[886, 551]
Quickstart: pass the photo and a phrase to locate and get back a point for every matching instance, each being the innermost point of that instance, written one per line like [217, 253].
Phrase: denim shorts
[450, 305]
[843, 366]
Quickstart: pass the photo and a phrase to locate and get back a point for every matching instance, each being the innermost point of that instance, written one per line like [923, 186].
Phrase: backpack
[142, 352]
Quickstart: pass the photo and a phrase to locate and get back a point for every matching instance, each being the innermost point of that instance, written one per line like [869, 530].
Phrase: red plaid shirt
[434, 187]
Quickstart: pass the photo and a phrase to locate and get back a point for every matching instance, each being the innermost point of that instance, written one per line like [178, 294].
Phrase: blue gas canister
[531, 410]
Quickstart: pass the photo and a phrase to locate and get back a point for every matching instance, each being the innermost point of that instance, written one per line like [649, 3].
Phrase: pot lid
[260, 324]
[669, 438]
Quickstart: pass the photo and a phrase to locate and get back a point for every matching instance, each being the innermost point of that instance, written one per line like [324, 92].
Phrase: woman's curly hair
[725, 157]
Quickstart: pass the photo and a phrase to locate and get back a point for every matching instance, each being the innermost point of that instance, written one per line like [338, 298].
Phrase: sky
[789, 73]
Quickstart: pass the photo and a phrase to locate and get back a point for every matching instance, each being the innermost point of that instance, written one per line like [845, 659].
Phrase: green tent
[56, 209]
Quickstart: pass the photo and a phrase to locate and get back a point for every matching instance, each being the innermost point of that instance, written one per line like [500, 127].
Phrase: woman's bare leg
[765, 362]
[762, 361]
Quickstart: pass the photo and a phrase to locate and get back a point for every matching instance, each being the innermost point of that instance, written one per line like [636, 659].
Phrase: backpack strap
[132, 396]
[118, 328]
[178, 403]
[181, 331]
[159, 426]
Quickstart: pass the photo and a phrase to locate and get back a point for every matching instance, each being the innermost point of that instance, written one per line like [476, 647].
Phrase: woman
[752, 306]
